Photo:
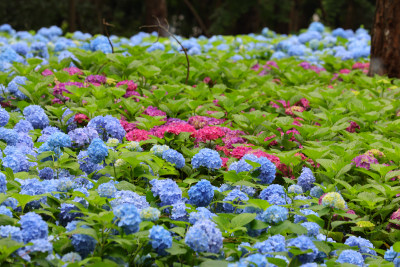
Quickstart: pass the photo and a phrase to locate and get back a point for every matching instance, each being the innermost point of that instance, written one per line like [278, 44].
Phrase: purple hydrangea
[364, 161]
[83, 136]
[306, 179]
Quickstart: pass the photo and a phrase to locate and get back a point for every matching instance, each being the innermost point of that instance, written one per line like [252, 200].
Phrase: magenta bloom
[353, 127]
[255, 67]
[395, 216]
[132, 86]
[153, 111]
[47, 72]
[364, 161]
[96, 79]
[202, 121]
[344, 71]
[73, 71]
[271, 63]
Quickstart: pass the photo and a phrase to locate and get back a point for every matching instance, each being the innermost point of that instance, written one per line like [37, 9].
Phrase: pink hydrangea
[96, 79]
[208, 133]
[201, 121]
[137, 135]
[395, 216]
[239, 151]
[73, 71]
[153, 111]
[290, 110]
[128, 126]
[47, 72]
[81, 118]
[353, 127]
[174, 127]
[132, 86]
[364, 161]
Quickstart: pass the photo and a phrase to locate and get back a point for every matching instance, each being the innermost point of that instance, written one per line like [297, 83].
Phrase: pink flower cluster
[202, 121]
[307, 66]
[265, 69]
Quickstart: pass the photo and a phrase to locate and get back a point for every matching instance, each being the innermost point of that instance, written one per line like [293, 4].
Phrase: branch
[166, 29]
[198, 18]
[105, 24]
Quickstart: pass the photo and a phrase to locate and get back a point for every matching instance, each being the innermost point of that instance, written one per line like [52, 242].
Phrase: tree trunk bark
[72, 16]
[156, 9]
[385, 43]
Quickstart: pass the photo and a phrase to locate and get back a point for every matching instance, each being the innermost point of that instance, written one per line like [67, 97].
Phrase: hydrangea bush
[277, 151]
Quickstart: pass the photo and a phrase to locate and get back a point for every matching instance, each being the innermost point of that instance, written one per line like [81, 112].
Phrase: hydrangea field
[272, 150]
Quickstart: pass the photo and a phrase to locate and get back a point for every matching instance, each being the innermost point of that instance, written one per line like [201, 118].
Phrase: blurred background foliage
[186, 17]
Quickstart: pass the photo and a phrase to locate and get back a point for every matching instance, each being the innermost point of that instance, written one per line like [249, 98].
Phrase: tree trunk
[72, 16]
[156, 9]
[385, 44]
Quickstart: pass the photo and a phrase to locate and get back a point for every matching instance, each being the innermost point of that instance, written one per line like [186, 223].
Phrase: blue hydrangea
[275, 214]
[253, 260]
[107, 127]
[295, 189]
[204, 236]
[9, 136]
[179, 212]
[11, 202]
[351, 256]
[168, 191]
[174, 157]
[4, 117]
[201, 214]
[390, 254]
[201, 194]
[47, 132]
[39, 245]
[271, 190]
[46, 173]
[59, 139]
[23, 126]
[3, 183]
[158, 150]
[39, 49]
[14, 85]
[127, 217]
[267, 170]
[299, 218]
[107, 190]
[306, 179]
[250, 191]
[85, 163]
[36, 116]
[276, 199]
[134, 146]
[66, 215]
[237, 197]
[316, 192]
[312, 228]
[97, 151]
[302, 200]
[33, 227]
[303, 243]
[275, 243]
[11, 231]
[83, 136]
[150, 214]
[160, 239]
[5, 211]
[364, 246]
[207, 158]
[83, 244]
[129, 197]
[71, 257]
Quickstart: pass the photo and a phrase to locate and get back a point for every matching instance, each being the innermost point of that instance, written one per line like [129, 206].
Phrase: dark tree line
[186, 17]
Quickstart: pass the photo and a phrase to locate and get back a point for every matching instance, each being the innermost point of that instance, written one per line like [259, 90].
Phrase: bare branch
[166, 29]
[105, 24]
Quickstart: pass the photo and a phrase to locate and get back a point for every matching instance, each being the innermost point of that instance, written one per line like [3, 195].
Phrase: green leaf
[176, 249]
[149, 70]
[243, 219]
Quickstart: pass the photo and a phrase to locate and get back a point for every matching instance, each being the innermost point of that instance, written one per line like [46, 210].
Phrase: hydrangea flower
[33, 227]
[364, 161]
[333, 200]
[275, 243]
[15, 84]
[160, 239]
[267, 170]
[364, 246]
[97, 151]
[167, 190]
[201, 194]
[237, 197]
[11, 231]
[179, 212]
[204, 236]
[107, 190]
[271, 190]
[150, 214]
[5, 211]
[275, 214]
[83, 136]
[36, 116]
[129, 197]
[4, 117]
[107, 126]
[299, 218]
[296, 189]
[3, 183]
[83, 244]
[23, 126]
[9, 136]
[312, 228]
[66, 215]
[207, 158]
[134, 146]
[71, 257]
[306, 179]
[158, 150]
[46, 173]
[174, 157]
[128, 218]
[390, 254]
[351, 256]
[39, 245]
[303, 243]
[201, 214]
[316, 192]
